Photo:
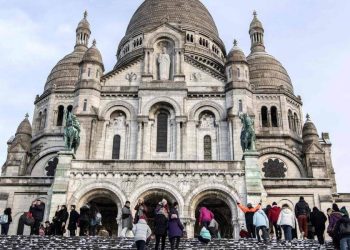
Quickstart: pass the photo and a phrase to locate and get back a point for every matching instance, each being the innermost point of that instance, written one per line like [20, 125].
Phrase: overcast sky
[310, 37]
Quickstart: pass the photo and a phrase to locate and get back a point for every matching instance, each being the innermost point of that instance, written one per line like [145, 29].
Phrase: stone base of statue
[60, 185]
[179, 78]
[253, 178]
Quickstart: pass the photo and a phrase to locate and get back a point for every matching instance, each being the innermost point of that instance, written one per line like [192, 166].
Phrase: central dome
[187, 14]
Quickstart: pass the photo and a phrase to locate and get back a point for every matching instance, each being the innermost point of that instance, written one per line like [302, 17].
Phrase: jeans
[125, 231]
[278, 231]
[140, 244]
[303, 226]
[320, 236]
[251, 230]
[174, 242]
[158, 237]
[287, 232]
[345, 243]
[264, 233]
[5, 228]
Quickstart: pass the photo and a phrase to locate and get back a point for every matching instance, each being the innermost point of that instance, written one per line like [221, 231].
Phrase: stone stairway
[94, 243]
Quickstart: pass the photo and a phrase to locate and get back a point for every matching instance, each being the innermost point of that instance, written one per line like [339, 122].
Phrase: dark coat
[302, 208]
[73, 220]
[126, 218]
[84, 214]
[345, 221]
[38, 211]
[62, 216]
[175, 226]
[160, 224]
[318, 220]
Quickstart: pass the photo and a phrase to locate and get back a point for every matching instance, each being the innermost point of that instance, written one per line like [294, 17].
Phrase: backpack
[344, 228]
[4, 219]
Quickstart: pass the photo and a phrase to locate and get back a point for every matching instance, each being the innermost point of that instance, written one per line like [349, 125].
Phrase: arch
[274, 116]
[42, 154]
[264, 117]
[127, 108]
[176, 39]
[286, 153]
[207, 105]
[162, 99]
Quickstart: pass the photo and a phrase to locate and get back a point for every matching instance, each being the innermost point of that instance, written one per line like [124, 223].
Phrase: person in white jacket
[261, 222]
[142, 232]
[286, 220]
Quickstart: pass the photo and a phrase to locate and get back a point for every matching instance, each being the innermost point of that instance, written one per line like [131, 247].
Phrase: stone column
[178, 140]
[59, 188]
[146, 141]
[139, 140]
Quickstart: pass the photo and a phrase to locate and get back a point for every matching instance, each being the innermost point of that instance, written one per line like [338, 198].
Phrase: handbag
[27, 218]
[4, 219]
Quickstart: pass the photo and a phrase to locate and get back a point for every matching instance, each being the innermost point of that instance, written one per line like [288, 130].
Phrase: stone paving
[92, 243]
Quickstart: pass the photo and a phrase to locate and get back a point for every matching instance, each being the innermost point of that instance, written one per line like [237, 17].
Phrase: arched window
[274, 117]
[188, 37]
[60, 115]
[264, 117]
[290, 120]
[230, 73]
[207, 148]
[89, 72]
[162, 132]
[39, 120]
[238, 73]
[240, 106]
[116, 147]
[200, 41]
[70, 109]
[296, 122]
[43, 120]
[85, 105]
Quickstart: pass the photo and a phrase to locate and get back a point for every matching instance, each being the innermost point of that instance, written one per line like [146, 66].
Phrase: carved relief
[274, 168]
[131, 77]
[196, 76]
[207, 121]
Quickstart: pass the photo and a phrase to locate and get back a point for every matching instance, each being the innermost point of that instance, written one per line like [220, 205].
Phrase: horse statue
[71, 132]
[248, 133]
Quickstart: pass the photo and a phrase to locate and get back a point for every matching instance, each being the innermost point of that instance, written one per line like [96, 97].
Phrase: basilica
[165, 122]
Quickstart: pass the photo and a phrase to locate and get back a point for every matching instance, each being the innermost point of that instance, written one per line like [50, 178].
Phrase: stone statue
[71, 132]
[248, 133]
[164, 65]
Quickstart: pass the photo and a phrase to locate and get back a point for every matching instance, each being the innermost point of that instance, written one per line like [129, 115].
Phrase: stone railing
[25, 181]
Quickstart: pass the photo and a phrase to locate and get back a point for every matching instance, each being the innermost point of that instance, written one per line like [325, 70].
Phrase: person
[214, 228]
[84, 220]
[334, 217]
[249, 211]
[103, 232]
[161, 223]
[126, 219]
[344, 211]
[49, 228]
[42, 230]
[141, 233]
[243, 233]
[73, 221]
[175, 227]
[273, 215]
[261, 222]
[141, 210]
[318, 220]
[61, 218]
[204, 235]
[270, 227]
[342, 233]
[286, 220]
[205, 216]
[37, 209]
[5, 221]
[94, 220]
[302, 213]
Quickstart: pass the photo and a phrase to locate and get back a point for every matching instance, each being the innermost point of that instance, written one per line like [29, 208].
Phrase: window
[39, 120]
[85, 105]
[238, 73]
[264, 117]
[97, 73]
[69, 109]
[240, 106]
[116, 147]
[274, 117]
[89, 72]
[43, 120]
[207, 148]
[296, 122]
[162, 132]
[60, 115]
[290, 119]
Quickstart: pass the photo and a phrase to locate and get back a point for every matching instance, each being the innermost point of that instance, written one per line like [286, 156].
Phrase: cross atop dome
[85, 14]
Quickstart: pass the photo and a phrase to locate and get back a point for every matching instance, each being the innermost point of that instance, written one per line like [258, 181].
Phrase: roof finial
[85, 14]
[308, 118]
[27, 115]
[255, 13]
[94, 42]
[235, 43]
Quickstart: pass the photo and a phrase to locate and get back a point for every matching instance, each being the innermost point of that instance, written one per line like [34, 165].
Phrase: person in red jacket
[273, 214]
[249, 211]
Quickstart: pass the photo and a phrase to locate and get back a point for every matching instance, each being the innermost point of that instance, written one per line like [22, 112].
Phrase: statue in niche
[207, 121]
[164, 64]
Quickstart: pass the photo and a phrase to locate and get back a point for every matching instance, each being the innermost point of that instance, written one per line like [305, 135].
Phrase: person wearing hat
[249, 211]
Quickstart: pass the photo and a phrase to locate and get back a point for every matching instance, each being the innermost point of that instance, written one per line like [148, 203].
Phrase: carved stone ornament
[131, 77]
[196, 76]
[274, 168]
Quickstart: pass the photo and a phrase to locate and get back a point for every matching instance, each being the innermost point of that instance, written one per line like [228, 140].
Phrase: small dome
[236, 54]
[84, 23]
[24, 127]
[309, 129]
[266, 72]
[256, 24]
[93, 55]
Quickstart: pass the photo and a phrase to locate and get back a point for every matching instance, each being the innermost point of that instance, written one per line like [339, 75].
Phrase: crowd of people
[269, 223]
[262, 224]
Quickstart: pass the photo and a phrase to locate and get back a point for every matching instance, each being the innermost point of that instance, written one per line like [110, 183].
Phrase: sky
[310, 38]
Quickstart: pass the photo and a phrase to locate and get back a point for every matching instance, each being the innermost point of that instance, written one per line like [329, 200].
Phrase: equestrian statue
[71, 132]
[248, 133]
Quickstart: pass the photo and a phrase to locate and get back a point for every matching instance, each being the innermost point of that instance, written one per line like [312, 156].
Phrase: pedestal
[59, 188]
[253, 178]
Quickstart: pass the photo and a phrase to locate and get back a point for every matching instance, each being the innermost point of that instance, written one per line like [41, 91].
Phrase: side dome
[236, 55]
[266, 72]
[24, 127]
[93, 55]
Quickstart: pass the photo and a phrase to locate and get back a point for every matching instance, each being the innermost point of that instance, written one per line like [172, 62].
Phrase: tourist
[214, 228]
[175, 227]
[318, 220]
[249, 211]
[141, 233]
[243, 233]
[334, 217]
[286, 220]
[204, 235]
[261, 222]
[84, 220]
[161, 223]
[141, 210]
[205, 217]
[37, 209]
[302, 212]
[126, 220]
[270, 227]
[61, 218]
[273, 215]
[5, 221]
[73, 221]
[95, 220]
[41, 230]
[344, 211]
[342, 233]
[49, 228]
